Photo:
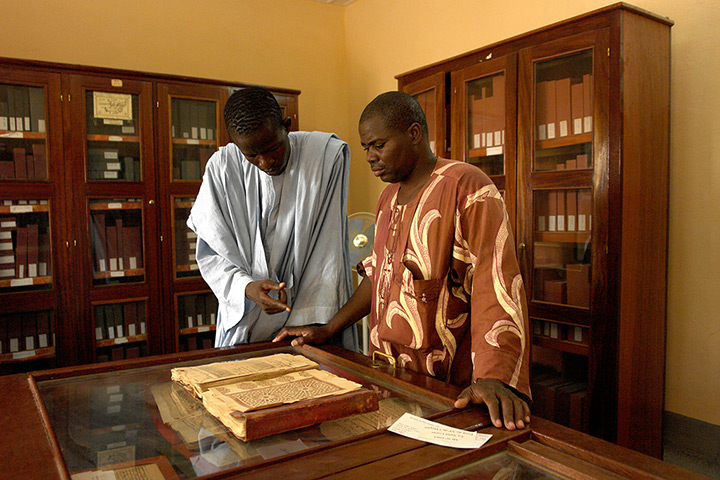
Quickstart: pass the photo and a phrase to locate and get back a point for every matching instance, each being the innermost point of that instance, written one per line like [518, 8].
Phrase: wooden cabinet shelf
[584, 175]
[27, 355]
[4, 134]
[121, 340]
[113, 138]
[563, 237]
[561, 345]
[564, 141]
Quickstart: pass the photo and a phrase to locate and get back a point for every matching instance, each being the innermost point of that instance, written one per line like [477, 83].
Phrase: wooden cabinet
[571, 122]
[98, 171]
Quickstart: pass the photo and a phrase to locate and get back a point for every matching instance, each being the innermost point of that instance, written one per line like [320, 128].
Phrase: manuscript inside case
[258, 399]
[202, 377]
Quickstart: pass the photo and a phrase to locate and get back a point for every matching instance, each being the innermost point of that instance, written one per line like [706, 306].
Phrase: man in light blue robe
[271, 221]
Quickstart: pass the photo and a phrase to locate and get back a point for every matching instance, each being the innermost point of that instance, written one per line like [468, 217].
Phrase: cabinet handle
[151, 202]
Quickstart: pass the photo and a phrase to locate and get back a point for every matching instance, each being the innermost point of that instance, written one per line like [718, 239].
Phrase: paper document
[424, 430]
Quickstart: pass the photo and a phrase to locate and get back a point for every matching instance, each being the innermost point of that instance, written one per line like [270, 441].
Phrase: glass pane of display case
[562, 246]
[117, 240]
[25, 256]
[113, 138]
[23, 154]
[185, 239]
[485, 106]
[194, 137]
[140, 415]
[27, 335]
[196, 317]
[564, 112]
[428, 104]
[501, 466]
[120, 330]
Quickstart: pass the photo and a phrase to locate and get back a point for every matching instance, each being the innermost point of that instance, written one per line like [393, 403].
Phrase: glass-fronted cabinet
[99, 169]
[560, 168]
[430, 94]
[31, 218]
[583, 166]
[483, 100]
[192, 130]
[114, 178]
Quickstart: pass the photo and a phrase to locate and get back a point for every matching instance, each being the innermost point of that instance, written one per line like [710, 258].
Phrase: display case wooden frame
[31, 439]
[621, 345]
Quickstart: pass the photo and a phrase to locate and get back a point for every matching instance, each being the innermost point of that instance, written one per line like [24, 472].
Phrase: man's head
[254, 122]
[393, 132]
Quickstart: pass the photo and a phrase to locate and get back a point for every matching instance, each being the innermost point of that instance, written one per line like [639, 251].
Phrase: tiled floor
[692, 444]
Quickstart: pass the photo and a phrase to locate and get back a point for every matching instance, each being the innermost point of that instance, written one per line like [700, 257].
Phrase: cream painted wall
[296, 44]
[340, 58]
[387, 38]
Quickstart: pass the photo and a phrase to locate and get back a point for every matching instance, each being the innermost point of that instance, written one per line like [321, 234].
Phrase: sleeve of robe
[499, 324]
[224, 265]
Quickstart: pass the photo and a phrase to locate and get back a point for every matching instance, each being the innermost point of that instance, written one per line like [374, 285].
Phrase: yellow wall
[342, 57]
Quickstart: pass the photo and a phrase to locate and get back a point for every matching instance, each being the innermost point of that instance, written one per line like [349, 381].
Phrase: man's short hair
[251, 108]
[397, 109]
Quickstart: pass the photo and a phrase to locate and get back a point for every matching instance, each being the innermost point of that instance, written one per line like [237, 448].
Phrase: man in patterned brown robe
[443, 286]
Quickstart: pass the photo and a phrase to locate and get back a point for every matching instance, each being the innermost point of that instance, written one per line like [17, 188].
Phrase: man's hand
[303, 335]
[497, 397]
[258, 293]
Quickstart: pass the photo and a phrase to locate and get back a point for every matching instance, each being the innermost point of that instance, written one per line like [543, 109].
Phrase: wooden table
[59, 422]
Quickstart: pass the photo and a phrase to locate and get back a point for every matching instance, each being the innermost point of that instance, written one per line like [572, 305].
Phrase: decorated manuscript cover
[256, 404]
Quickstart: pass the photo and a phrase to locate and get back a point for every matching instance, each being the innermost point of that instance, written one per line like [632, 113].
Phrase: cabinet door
[430, 94]
[563, 164]
[190, 130]
[32, 213]
[115, 218]
[484, 119]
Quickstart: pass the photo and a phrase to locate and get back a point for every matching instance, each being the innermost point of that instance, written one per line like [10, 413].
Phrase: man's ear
[416, 132]
[286, 123]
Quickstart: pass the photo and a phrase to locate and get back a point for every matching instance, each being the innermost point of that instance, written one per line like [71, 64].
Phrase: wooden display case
[582, 159]
[106, 416]
[98, 171]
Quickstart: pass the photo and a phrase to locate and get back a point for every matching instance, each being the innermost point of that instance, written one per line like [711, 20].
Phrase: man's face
[389, 152]
[267, 148]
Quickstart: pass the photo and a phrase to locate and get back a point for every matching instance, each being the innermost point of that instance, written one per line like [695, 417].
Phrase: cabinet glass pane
[196, 317]
[194, 137]
[120, 330]
[559, 374]
[185, 239]
[564, 112]
[140, 415]
[117, 240]
[485, 106]
[501, 466]
[561, 246]
[23, 153]
[113, 141]
[28, 335]
[25, 260]
[428, 104]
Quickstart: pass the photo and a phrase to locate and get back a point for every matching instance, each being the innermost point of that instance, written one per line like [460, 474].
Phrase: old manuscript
[273, 394]
[198, 379]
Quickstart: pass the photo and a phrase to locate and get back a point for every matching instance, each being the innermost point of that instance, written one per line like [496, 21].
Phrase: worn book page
[249, 396]
[202, 377]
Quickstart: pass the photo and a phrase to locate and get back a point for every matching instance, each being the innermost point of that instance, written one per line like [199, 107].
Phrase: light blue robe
[237, 207]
